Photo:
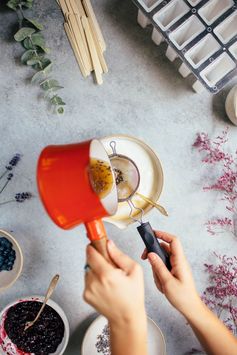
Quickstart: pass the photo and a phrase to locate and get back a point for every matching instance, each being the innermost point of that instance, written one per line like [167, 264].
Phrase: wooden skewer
[91, 45]
[96, 28]
[75, 50]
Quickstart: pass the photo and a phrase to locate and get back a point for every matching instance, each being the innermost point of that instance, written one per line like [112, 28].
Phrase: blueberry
[9, 267]
[12, 253]
[6, 242]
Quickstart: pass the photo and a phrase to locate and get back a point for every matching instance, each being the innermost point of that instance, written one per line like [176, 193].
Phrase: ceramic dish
[7, 278]
[156, 341]
[151, 175]
[5, 341]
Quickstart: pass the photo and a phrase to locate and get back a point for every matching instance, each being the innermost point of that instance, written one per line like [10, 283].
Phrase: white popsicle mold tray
[203, 33]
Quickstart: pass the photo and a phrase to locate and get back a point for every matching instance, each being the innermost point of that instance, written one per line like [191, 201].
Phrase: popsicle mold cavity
[233, 49]
[228, 29]
[214, 9]
[202, 50]
[171, 13]
[186, 32]
[219, 68]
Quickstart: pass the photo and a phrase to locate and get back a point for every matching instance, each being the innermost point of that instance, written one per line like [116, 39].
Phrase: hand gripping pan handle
[152, 244]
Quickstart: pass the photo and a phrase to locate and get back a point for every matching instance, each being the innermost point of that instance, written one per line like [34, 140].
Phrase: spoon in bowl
[50, 290]
[156, 205]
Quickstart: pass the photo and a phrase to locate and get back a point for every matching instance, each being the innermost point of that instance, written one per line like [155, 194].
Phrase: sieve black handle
[152, 244]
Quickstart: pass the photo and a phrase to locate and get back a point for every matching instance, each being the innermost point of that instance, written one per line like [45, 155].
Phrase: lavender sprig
[21, 196]
[12, 164]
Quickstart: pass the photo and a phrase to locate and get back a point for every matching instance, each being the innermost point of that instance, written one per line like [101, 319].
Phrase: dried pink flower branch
[225, 183]
[221, 296]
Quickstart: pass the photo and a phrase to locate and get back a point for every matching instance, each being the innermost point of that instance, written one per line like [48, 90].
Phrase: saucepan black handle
[152, 244]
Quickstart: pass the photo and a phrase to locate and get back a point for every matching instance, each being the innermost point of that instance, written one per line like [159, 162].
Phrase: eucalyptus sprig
[31, 38]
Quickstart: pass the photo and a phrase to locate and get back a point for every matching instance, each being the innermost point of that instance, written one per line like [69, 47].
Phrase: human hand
[115, 292]
[178, 285]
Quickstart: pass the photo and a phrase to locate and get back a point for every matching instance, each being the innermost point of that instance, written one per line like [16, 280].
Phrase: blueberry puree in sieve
[43, 337]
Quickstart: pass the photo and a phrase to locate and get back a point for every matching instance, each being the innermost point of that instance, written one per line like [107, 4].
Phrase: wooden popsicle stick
[96, 28]
[79, 42]
[82, 37]
[64, 8]
[91, 45]
[98, 48]
[80, 8]
[75, 50]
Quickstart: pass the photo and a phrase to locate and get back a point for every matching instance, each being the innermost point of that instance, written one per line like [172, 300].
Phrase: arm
[118, 294]
[179, 288]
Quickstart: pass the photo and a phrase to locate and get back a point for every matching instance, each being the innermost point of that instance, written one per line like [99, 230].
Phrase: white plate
[156, 341]
[151, 175]
[4, 340]
[7, 278]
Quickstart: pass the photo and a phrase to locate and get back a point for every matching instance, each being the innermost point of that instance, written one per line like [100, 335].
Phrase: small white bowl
[8, 278]
[231, 105]
[156, 340]
[11, 347]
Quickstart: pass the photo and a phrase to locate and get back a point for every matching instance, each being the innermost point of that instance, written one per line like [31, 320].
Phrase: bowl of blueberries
[11, 260]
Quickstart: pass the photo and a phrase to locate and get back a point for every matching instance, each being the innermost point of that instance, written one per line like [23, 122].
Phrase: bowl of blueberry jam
[48, 335]
[11, 260]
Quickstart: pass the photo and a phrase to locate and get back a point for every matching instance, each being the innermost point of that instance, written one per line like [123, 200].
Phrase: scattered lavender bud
[13, 162]
[22, 196]
[9, 176]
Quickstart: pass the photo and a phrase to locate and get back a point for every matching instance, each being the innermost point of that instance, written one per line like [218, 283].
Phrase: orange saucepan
[66, 191]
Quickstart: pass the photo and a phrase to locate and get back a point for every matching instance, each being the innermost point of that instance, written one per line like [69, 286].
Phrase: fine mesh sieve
[127, 176]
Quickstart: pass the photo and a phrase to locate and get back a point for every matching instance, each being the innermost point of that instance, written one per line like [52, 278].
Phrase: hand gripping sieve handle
[152, 244]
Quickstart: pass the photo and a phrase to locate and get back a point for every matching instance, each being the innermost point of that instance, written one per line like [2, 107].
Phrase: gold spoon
[159, 207]
[50, 290]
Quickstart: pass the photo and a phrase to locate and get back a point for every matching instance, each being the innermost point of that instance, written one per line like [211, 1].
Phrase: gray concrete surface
[143, 95]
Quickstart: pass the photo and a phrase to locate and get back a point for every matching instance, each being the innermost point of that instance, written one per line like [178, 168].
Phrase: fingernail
[152, 257]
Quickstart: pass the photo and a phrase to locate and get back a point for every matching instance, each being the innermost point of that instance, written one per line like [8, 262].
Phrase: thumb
[159, 268]
[119, 258]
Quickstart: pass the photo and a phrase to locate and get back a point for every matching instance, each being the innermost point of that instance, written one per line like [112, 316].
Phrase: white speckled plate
[151, 175]
[156, 341]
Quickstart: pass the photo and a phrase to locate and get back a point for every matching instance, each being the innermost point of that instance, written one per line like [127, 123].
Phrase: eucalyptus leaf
[44, 62]
[48, 84]
[48, 68]
[27, 55]
[38, 40]
[60, 110]
[33, 61]
[56, 100]
[28, 3]
[38, 77]
[35, 23]
[23, 33]
[27, 44]
[13, 4]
